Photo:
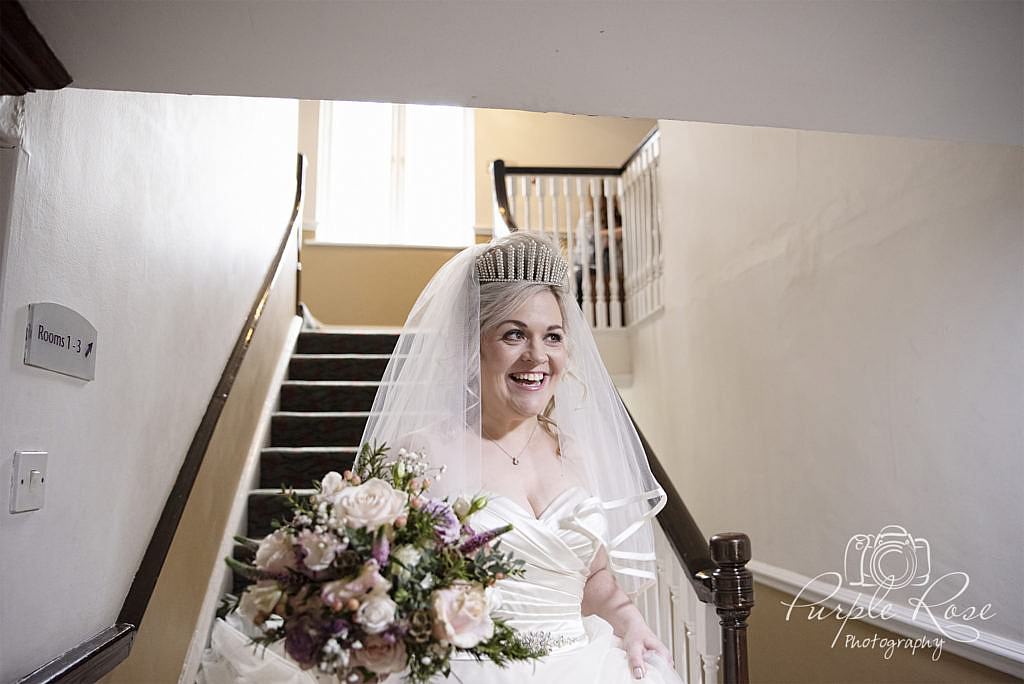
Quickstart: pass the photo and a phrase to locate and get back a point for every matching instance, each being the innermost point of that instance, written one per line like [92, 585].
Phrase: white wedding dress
[546, 599]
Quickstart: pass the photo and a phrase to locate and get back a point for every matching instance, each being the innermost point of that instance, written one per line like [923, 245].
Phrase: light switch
[28, 481]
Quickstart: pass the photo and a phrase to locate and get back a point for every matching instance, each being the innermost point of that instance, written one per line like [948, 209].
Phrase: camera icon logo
[892, 559]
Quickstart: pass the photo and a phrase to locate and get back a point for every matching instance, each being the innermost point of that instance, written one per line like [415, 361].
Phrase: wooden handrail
[98, 655]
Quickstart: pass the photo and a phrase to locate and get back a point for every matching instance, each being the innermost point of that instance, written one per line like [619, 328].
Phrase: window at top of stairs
[391, 174]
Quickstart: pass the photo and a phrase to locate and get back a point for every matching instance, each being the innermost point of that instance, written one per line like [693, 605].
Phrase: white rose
[381, 657]
[376, 614]
[258, 601]
[320, 549]
[462, 614]
[331, 486]
[276, 553]
[371, 504]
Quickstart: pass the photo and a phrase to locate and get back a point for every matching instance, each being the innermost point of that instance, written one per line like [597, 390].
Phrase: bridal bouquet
[372, 576]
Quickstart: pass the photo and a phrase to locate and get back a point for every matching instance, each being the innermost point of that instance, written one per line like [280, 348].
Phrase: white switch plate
[28, 481]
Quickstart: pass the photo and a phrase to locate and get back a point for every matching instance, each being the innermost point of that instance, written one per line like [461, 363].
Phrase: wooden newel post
[734, 597]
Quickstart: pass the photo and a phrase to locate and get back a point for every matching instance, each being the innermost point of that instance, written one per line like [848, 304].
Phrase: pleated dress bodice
[557, 556]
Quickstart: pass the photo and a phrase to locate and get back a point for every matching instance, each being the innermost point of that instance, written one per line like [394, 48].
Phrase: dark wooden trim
[501, 194]
[89, 660]
[300, 184]
[27, 63]
[562, 170]
[734, 598]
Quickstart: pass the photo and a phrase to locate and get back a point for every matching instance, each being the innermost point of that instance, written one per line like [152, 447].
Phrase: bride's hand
[637, 640]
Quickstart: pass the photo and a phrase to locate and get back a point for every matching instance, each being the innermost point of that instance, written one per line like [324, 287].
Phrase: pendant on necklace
[515, 460]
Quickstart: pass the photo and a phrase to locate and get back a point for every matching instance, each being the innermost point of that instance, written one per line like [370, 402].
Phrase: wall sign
[61, 340]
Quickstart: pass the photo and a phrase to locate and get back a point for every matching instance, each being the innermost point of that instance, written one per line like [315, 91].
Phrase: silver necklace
[515, 459]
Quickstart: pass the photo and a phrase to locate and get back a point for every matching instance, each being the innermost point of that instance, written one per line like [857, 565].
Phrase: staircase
[332, 380]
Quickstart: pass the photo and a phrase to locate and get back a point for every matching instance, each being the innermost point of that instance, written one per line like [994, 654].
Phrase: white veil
[429, 400]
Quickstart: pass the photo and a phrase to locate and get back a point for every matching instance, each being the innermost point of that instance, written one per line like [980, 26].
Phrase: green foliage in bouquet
[371, 575]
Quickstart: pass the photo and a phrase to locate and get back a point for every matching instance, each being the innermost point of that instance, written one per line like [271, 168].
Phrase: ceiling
[949, 69]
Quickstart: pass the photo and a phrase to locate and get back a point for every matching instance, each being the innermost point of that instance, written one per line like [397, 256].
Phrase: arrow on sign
[88, 349]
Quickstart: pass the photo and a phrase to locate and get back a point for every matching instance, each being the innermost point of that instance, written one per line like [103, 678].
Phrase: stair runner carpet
[324, 403]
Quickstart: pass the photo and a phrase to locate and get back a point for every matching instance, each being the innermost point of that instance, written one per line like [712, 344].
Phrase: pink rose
[335, 594]
[381, 657]
[462, 614]
[276, 553]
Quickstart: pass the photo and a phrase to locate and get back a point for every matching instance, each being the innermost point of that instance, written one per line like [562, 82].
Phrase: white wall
[915, 68]
[842, 347]
[156, 217]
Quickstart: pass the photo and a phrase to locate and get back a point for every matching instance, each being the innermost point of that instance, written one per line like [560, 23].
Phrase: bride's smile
[522, 359]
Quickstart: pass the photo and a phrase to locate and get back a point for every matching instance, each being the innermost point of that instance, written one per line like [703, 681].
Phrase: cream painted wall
[156, 217]
[843, 337]
[357, 285]
[548, 139]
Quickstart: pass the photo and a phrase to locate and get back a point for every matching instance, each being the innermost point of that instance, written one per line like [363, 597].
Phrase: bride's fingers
[635, 651]
[659, 648]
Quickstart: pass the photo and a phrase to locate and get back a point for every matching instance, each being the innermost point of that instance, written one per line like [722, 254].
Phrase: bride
[497, 376]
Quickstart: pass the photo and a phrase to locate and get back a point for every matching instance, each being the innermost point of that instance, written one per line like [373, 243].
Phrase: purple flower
[446, 524]
[381, 550]
[478, 540]
[340, 627]
[303, 641]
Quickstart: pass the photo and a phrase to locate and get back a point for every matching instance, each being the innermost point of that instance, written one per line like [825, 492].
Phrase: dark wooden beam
[27, 63]
[89, 660]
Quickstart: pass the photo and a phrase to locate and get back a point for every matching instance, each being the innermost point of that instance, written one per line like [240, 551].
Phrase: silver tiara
[536, 262]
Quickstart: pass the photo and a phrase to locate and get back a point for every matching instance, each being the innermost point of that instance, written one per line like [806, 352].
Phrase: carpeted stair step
[355, 342]
[266, 506]
[328, 395]
[337, 366]
[299, 429]
[300, 466]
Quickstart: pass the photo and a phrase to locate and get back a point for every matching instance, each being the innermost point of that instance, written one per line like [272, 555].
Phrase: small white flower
[407, 556]
[461, 507]
[330, 487]
[258, 601]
